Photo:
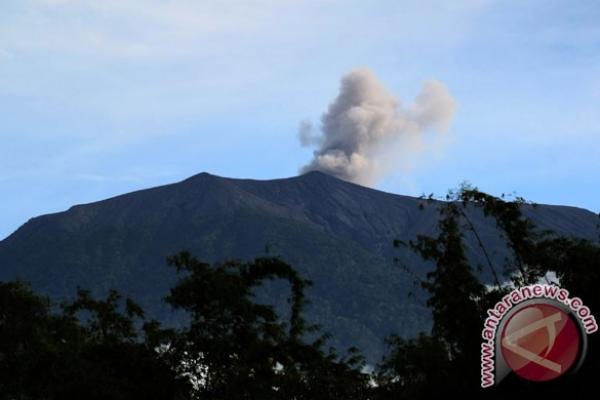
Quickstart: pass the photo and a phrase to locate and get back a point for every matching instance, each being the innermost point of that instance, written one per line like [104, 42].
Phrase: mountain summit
[337, 234]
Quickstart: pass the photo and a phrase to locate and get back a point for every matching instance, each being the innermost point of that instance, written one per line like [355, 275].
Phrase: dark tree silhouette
[52, 355]
[235, 348]
[446, 361]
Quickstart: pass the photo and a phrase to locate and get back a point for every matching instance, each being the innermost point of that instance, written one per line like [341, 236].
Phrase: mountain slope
[335, 233]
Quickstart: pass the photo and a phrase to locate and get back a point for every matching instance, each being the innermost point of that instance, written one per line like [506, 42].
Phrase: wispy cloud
[153, 30]
[5, 55]
[137, 28]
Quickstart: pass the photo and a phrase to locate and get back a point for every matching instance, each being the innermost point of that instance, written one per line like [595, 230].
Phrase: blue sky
[98, 98]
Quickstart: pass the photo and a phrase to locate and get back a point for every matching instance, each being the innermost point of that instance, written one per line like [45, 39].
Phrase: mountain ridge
[336, 233]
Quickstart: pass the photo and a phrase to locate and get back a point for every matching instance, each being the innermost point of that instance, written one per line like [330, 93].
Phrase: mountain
[335, 233]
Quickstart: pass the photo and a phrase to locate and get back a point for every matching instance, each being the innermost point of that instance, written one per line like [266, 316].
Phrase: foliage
[52, 355]
[446, 362]
[235, 348]
[232, 348]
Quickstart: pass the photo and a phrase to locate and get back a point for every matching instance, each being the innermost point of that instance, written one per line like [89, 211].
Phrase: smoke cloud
[367, 133]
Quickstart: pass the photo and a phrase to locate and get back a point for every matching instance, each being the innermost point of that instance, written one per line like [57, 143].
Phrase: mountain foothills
[337, 234]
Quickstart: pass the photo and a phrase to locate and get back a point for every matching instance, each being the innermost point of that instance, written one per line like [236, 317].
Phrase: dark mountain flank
[335, 233]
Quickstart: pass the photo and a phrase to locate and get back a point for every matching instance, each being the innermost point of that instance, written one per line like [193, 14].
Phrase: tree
[446, 361]
[47, 354]
[235, 348]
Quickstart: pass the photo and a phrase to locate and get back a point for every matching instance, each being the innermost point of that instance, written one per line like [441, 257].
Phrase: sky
[100, 98]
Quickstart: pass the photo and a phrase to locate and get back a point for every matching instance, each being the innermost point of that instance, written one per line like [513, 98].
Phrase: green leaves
[446, 362]
[47, 354]
[238, 348]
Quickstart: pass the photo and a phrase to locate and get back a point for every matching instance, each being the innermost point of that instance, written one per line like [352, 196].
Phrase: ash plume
[367, 133]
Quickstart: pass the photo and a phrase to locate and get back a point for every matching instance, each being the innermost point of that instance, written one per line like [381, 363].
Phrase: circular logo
[540, 342]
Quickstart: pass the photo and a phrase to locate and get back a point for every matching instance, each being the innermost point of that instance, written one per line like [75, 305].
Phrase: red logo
[540, 342]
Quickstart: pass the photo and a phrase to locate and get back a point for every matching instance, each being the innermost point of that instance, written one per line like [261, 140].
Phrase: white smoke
[366, 132]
